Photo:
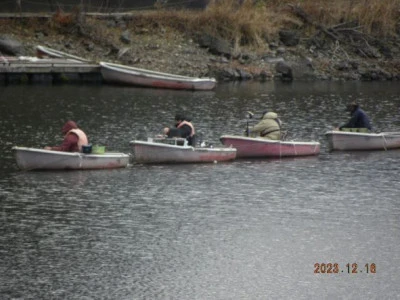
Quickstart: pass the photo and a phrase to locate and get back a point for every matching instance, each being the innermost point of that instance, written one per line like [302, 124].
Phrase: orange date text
[349, 268]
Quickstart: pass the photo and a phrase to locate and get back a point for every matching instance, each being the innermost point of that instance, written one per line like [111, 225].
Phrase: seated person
[183, 129]
[359, 118]
[268, 128]
[74, 139]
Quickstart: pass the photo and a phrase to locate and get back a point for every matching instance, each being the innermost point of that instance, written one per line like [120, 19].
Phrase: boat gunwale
[71, 154]
[178, 147]
[362, 134]
[266, 141]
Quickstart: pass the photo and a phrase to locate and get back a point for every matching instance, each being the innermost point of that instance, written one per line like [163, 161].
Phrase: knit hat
[351, 106]
[68, 126]
[179, 117]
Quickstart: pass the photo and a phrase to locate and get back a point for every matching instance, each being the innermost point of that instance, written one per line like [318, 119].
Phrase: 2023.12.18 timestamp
[349, 268]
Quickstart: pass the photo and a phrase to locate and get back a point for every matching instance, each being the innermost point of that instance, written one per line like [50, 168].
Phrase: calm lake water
[250, 229]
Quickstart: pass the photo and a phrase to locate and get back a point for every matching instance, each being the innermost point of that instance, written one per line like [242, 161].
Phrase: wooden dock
[27, 70]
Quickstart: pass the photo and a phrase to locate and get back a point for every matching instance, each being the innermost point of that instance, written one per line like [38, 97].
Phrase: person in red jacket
[74, 139]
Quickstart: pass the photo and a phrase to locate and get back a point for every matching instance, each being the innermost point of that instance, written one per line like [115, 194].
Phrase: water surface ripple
[250, 229]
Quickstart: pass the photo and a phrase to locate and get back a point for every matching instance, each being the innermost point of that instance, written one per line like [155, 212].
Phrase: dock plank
[31, 70]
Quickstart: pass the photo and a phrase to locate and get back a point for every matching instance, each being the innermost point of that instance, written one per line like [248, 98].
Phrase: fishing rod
[249, 116]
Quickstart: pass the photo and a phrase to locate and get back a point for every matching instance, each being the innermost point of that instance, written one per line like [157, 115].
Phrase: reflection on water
[250, 229]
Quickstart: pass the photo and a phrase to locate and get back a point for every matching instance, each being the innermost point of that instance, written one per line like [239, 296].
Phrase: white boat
[120, 74]
[41, 159]
[43, 52]
[263, 148]
[346, 140]
[176, 150]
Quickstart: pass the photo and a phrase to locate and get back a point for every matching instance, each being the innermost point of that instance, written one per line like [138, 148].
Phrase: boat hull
[263, 148]
[150, 152]
[120, 74]
[343, 140]
[40, 159]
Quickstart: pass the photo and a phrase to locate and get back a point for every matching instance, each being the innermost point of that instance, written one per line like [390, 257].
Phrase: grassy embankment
[253, 22]
[251, 25]
[248, 26]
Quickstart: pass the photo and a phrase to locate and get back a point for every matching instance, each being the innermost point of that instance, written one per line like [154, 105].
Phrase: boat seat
[170, 141]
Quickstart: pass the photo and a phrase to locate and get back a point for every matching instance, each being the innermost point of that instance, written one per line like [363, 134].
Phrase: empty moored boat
[126, 75]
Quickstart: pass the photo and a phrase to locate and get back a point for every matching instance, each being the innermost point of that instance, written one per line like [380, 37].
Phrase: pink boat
[263, 148]
[176, 150]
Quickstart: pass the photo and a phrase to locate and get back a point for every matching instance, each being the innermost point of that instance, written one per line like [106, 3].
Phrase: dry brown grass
[376, 17]
[379, 17]
[253, 22]
[246, 23]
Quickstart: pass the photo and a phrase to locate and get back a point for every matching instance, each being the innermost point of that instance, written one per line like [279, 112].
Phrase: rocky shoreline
[342, 53]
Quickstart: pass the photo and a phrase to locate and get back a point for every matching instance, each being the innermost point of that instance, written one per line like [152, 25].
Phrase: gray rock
[220, 46]
[205, 40]
[264, 75]
[223, 60]
[301, 69]
[244, 75]
[89, 47]
[273, 46]
[215, 45]
[39, 35]
[285, 71]
[228, 74]
[126, 37]
[122, 24]
[248, 57]
[354, 64]
[281, 50]
[289, 38]
[111, 23]
[370, 74]
[351, 76]
[343, 66]
[11, 46]
[386, 51]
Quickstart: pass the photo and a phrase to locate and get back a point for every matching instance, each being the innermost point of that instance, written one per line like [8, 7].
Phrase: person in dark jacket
[183, 128]
[358, 119]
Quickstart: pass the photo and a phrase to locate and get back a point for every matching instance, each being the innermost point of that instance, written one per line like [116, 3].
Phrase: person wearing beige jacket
[269, 127]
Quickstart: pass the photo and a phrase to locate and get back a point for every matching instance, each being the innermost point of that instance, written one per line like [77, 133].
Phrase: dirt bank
[292, 55]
